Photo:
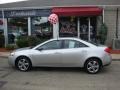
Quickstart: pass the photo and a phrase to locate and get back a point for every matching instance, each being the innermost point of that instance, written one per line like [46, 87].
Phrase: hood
[26, 48]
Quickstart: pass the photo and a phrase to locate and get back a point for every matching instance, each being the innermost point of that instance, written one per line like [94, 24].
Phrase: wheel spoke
[20, 66]
[89, 68]
[25, 67]
[23, 60]
[94, 70]
[96, 66]
[95, 63]
[20, 62]
[27, 64]
[90, 64]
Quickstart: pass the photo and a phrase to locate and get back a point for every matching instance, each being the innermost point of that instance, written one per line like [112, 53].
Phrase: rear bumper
[107, 60]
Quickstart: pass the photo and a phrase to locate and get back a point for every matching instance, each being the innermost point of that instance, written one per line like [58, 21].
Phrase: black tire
[23, 63]
[92, 66]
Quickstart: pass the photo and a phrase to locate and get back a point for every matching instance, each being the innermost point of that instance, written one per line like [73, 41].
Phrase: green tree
[103, 33]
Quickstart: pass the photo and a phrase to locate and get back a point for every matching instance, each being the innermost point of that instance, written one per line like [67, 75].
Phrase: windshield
[31, 47]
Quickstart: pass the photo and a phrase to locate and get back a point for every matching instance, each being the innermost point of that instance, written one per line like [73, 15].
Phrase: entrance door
[82, 27]
[88, 28]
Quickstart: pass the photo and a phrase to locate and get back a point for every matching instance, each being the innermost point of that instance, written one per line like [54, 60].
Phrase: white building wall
[110, 21]
[119, 23]
[5, 31]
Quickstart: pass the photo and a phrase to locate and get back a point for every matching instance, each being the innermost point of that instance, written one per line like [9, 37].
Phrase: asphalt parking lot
[59, 78]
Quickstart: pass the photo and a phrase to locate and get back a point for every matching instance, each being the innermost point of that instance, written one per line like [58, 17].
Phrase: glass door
[87, 28]
[84, 28]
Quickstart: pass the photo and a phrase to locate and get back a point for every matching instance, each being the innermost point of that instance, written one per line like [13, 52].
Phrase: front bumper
[11, 61]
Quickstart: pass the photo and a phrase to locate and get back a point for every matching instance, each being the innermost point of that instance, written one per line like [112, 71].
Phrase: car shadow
[67, 69]
[58, 69]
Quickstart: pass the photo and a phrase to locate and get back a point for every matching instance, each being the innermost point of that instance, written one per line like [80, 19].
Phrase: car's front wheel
[92, 66]
[23, 64]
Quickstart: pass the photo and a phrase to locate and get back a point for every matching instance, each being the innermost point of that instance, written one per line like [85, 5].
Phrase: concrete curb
[115, 59]
[115, 56]
[3, 56]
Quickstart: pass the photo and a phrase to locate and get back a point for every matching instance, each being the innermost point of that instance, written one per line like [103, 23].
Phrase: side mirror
[40, 49]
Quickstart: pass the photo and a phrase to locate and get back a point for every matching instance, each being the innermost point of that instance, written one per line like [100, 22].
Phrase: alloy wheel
[93, 66]
[23, 64]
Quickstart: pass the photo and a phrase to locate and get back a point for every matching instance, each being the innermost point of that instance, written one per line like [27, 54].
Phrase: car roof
[68, 38]
[63, 38]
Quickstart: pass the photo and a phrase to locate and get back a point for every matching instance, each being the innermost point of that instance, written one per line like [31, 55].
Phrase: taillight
[107, 50]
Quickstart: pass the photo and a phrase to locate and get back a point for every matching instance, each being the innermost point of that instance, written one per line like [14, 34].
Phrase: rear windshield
[96, 44]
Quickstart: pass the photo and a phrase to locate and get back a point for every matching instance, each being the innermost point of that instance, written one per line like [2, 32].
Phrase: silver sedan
[62, 52]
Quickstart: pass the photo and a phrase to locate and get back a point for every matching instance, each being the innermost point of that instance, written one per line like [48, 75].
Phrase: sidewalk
[114, 56]
[4, 54]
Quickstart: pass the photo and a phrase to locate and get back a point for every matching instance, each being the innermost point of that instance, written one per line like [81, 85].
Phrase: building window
[1, 26]
[17, 27]
[41, 27]
[68, 27]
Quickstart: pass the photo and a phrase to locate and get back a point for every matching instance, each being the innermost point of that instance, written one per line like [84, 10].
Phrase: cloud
[10, 1]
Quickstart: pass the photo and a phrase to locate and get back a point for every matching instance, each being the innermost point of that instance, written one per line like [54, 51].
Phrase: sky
[10, 1]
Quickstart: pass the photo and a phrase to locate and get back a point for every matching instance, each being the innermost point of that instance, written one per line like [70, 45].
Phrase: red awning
[77, 11]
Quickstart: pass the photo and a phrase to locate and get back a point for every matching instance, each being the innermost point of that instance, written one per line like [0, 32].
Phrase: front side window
[73, 44]
[51, 45]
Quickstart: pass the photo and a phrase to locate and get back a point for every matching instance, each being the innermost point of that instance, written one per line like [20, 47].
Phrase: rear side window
[73, 44]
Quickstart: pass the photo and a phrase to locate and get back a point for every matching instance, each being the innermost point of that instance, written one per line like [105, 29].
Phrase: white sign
[23, 13]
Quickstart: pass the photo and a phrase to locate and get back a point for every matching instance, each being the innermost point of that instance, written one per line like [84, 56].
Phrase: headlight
[12, 54]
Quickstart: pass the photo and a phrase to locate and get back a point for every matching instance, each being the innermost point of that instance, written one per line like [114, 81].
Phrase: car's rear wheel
[23, 64]
[92, 66]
